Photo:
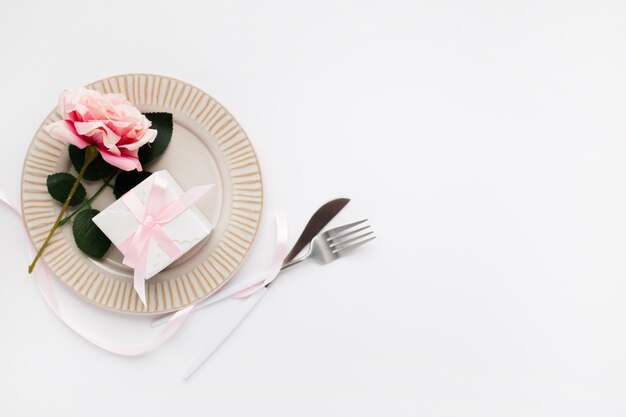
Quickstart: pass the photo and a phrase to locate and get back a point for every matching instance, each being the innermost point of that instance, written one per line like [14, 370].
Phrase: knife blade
[316, 224]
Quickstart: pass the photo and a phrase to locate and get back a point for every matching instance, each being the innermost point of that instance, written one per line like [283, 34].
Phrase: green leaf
[162, 122]
[97, 170]
[88, 237]
[60, 185]
[126, 180]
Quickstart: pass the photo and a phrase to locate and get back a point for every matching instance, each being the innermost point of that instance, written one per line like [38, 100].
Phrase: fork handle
[294, 262]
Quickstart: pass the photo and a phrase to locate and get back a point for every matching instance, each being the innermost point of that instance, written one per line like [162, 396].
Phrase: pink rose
[108, 121]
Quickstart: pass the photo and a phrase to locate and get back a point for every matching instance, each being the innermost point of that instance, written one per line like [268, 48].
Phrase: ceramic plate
[208, 147]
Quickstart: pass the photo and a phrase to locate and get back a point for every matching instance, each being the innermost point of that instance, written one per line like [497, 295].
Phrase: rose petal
[87, 128]
[65, 132]
[124, 162]
[110, 138]
[148, 137]
[99, 131]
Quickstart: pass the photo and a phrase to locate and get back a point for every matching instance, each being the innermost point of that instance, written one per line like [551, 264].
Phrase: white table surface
[484, 140]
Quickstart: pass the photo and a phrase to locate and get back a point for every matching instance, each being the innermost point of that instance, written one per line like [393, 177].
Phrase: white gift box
[186, 230]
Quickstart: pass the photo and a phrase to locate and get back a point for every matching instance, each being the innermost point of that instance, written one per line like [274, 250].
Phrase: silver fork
[335, 243]
[325, 247]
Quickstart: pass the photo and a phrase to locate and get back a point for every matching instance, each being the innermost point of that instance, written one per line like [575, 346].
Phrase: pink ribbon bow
[151, 217]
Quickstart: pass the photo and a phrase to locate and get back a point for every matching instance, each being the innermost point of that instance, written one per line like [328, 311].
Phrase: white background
[484, 140]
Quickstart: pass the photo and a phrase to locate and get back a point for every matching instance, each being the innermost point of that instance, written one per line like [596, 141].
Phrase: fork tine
[336, 245]
[345, 249]
[336, 238]
[337, 230]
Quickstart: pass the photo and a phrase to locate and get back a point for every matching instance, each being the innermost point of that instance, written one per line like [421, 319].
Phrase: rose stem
[88, 201]
[91, 153]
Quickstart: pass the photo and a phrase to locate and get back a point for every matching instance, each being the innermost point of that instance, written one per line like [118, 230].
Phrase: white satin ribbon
[174, 321]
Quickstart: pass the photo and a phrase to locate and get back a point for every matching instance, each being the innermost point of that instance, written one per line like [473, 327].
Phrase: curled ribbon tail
[139, 274]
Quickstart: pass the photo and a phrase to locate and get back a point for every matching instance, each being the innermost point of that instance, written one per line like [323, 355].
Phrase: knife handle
[226, 330]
